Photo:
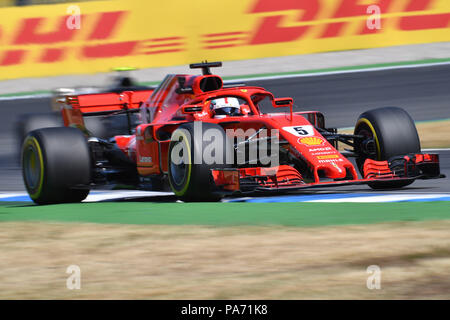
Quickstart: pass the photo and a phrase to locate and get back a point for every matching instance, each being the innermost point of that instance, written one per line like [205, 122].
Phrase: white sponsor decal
[145, 159]
[330, 161]
[300, 131]
[320, 149]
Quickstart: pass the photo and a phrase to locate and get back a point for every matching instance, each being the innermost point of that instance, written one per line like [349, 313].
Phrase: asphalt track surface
[423, 92]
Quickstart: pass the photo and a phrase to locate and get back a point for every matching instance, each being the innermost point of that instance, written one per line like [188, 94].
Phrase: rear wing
[76, 107]
[104, 103]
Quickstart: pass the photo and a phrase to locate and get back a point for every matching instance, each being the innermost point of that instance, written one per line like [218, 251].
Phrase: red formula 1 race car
[203, 140]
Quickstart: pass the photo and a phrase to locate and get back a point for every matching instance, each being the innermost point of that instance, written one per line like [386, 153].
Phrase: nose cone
[334, 170]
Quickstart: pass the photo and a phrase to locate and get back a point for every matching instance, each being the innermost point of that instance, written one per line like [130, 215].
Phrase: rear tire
[193, 181]
[394, 133]
[56, 165]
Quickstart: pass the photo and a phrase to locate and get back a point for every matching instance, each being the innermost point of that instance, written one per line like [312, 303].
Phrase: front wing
[286, 178]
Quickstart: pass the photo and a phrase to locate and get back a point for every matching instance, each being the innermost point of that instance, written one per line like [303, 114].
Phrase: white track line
[111, 195]
[13, 194]
[386, 198]
[441, 149]
[97, 196]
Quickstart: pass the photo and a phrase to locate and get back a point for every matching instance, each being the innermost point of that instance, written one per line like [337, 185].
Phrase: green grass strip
[26, 93]
[228, 214]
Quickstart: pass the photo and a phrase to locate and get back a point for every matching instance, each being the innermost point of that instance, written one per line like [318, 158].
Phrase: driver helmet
[228, 106]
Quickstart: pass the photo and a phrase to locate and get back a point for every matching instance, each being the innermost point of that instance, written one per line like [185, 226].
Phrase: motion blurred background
[341, 57]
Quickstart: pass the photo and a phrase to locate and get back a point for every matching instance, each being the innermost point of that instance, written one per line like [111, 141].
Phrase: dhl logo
[274, 26]
[98, 42]
[291, 20]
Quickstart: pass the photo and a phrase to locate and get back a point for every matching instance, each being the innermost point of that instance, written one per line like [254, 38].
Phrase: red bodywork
[164, 109]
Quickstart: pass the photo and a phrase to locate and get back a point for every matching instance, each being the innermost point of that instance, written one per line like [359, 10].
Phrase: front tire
[56, 165]
[188, 179]
[393, 133]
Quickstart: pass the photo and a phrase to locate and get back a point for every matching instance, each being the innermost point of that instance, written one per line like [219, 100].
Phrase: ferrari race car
[204, 140]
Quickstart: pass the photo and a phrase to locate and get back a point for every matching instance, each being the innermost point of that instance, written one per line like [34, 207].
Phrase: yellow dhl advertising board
[97, 36]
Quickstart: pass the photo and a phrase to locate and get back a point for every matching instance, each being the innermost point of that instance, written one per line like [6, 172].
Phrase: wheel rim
[365, 131]
[32, 167]
[179, 172]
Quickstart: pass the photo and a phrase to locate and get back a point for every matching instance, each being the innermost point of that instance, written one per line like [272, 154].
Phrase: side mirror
[191, 109]
[283, 102]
